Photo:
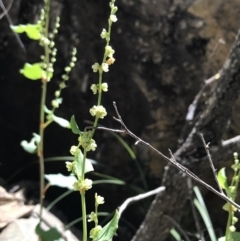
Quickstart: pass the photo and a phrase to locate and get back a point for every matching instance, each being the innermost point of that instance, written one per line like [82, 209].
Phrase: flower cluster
[57, 101]
[93, 217]
[99, 88]
[98, 111]
[87, 142]
[82, 185]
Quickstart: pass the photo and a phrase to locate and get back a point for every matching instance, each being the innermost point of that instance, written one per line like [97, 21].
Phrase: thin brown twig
[170, 160]
[206, 146]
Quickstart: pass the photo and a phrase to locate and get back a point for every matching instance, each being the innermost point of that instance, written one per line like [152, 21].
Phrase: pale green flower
[98, 111]
[94, 88]
[113, 18]
[99, 199]
[92, 217]
[74, 150]
[86, 141]
[104, 87]
[232, 228]
[95, 67]
[105, 67]
[110, 51]
[104, 33]
[92, 145]
[82, 185]
[69, 166]
[55, 103]
[57, 93]
[95, 231]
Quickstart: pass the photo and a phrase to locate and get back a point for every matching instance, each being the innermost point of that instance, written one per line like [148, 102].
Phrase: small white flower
[55, 103]
[98, 111]
[94, 232]
[82, 185]
[74, 150]
[104, 87]
[94, 88]
[57, 93]
[92, 217]
[92, 146]
[69, 166]
[99, 199]
[95, 67]
[110, 51]
[104, 33]
[105, 67]
[113, 18]
[232, 228]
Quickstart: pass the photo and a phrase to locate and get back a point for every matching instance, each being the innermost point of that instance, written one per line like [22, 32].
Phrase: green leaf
[74, 125]
[32, 30]
[33, 72]
[107, 181]
[50, 235]
[205, 216]
[18, 28]
[31, 146]
[61, 180]
[79, 164]
[109, 229]
[61, 121]
[227, 207]
[175, 234]
[235, 236]
[222, 179]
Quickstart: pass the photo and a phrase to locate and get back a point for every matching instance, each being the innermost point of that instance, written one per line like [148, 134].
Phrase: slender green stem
[96, 212]
[84, 216]
[83, 165]
[42, 115]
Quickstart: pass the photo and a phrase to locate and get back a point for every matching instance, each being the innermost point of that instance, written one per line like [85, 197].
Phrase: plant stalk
[42, 115]
[84, 216]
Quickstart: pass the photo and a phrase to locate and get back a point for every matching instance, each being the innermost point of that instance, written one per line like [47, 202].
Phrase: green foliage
[222, 178]
[200, 204]
[74, 126]
[32, 71]
[109, 229]
[175, 234]
[33, 31]
[79, 164]
[50, 235]
[61, 180]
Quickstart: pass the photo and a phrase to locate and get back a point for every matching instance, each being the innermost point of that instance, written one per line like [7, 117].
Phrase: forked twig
[171, 160]
[206, 146]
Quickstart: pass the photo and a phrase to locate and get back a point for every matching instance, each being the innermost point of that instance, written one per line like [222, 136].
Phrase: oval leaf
[109, 229]
[61, 121]
[61, 180]
[33, 31]
[29, 147]
[74, 125]
[50, 235]
[222, 179]
[33, 72]
[18, 28]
